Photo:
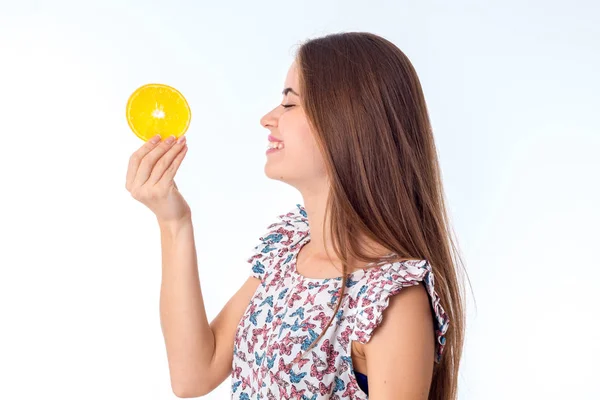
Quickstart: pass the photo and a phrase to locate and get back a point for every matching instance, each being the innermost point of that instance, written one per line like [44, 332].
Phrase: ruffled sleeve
[281, 235]
[264, 253]
[384, 282]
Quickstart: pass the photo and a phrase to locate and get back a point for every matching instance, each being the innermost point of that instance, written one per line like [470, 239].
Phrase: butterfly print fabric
[289, 311]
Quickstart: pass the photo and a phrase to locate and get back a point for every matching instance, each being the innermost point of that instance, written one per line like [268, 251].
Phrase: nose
[270, 119]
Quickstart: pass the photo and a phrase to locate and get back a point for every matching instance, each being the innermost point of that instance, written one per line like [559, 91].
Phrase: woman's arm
[199, 354]
[400, 355]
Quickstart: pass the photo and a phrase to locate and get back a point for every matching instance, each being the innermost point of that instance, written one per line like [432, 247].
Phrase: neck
[314, 204]
[321, 246]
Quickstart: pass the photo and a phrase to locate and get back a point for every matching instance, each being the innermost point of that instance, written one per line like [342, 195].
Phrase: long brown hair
[367, 110]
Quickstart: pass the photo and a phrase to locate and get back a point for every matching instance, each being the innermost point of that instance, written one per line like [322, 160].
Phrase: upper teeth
[275, 145]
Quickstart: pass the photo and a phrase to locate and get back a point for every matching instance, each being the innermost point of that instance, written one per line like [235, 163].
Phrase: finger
[149, 161]
[164, 163]
[136, 159]
[169, 174]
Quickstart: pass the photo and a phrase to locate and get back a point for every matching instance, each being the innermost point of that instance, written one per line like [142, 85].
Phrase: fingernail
[181, 140]
[170, 139]
[155, 139]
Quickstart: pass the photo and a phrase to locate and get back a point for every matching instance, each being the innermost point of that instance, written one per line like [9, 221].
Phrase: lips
[274, 144]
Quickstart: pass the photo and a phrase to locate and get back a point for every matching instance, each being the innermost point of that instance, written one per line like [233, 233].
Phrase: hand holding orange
[154, 110]
[157, 109]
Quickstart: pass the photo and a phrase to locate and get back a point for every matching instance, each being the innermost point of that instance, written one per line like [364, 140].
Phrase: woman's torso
[289, 311]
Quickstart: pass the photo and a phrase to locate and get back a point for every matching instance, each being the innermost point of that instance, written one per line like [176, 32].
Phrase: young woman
[356, 293]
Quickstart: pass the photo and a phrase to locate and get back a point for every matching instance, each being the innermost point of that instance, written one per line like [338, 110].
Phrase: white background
[512, 89]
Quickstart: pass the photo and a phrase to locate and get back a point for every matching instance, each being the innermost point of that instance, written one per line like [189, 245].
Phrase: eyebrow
[289, 89]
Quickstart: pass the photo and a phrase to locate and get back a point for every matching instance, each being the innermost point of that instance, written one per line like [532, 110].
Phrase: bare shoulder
[400, 354]
[408, 312]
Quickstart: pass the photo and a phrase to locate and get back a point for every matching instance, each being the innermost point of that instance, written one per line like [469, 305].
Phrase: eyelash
[287, 105]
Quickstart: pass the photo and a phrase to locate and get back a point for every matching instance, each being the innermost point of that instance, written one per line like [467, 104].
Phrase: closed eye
[287, 105]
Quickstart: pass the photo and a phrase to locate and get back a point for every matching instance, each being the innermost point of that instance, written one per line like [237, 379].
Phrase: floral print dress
[289, 311]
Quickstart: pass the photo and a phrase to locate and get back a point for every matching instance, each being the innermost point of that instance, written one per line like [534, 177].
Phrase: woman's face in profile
[296, 160]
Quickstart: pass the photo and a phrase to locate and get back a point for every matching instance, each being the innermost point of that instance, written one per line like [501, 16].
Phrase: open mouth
[275, 146]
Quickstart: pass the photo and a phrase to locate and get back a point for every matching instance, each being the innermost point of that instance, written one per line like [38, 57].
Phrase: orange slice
[157, 109]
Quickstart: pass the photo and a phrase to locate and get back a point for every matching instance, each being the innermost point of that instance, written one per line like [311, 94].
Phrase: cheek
[306, 152]
[302, 144]
[301, 148]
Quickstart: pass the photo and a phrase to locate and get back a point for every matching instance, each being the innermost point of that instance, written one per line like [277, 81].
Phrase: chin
[272, 172]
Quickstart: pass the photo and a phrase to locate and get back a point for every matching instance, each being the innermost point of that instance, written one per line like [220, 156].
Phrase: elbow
[195, 383]
[183, 394]
[189, 393]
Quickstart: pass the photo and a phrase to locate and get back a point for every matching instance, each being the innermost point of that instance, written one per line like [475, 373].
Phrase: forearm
[188, 337]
